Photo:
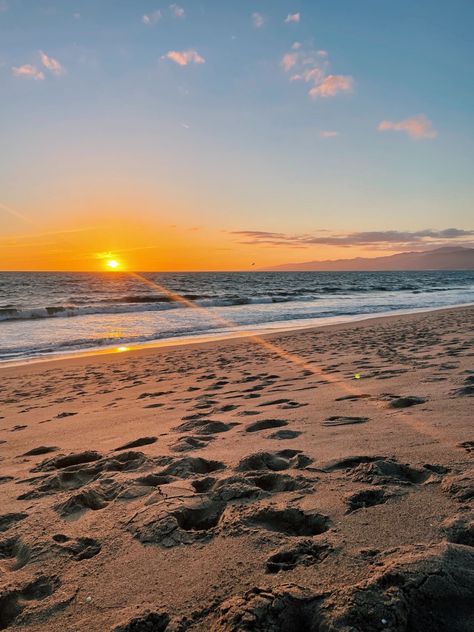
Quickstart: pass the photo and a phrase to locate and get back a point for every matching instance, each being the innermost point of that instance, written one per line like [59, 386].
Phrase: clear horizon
[222, 136]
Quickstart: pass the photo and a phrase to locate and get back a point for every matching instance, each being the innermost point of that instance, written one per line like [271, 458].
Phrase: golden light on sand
[122, 348]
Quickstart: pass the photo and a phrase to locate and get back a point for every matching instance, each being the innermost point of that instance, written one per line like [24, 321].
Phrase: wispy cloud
[312, 67]
[4, 6]
[293, 17]
[51, 64]
[331, 85]
[28, 71]
[389, 238]
[184, 57]
[151, 18]
[258, 20]
[33, 72]
[289, 60]
[329, 134]
[417, 127]
[14, 213]
[177, 11]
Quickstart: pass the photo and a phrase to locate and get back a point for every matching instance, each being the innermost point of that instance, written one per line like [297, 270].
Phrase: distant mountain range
[448, 258]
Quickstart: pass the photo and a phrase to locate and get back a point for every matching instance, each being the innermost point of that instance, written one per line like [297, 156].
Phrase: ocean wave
[136, 303]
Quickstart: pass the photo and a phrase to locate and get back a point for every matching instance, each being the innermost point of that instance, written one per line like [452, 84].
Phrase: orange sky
[209, 140]
[145, 246]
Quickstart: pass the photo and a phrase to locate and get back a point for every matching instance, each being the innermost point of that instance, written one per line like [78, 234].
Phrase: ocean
[45, 314]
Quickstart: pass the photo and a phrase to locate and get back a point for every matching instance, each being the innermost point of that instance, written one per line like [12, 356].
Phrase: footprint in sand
[156, 621]
[186, 444]
[189, 466]
[305, 553]
[265, 424]
[468, 388]
[10, 519]
[42, 449]
[467, 445]
[204, 426]
[284, 404]
[284, 435]
[82, 548]
[274, 461]
[459, 529]
[336, 420]
[13, 601]
[407, 401]
[93, 498]
[367, 498]
[136, 443]
[181, 522]
[351, 398]
[288, 520]
[389, 471]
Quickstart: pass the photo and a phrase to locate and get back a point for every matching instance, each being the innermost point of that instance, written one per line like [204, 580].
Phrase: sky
[221, 135]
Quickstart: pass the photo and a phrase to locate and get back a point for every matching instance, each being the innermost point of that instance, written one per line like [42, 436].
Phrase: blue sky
[191, 112]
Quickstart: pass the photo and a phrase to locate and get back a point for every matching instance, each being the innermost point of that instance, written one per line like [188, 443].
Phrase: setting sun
[113, 264]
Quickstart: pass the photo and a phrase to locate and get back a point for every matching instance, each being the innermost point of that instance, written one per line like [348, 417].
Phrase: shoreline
[196, 484]
[184, 341]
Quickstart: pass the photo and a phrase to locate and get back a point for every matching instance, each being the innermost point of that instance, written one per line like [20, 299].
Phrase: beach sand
[227, 486]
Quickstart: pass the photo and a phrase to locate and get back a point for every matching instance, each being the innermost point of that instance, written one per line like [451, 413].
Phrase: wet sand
[321, 480]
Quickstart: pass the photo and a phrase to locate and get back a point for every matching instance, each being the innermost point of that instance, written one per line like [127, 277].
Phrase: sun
[113, 264]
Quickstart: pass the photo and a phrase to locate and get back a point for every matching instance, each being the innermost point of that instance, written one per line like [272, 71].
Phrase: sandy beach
[320, 480]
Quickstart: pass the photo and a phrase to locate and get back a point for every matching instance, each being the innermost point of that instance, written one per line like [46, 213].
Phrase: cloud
[184, 57]
[27, 70]
[258, 20]
[417, 127]
[389, 238]
[332, 84]
[151, 18]
[293, 17]
[4, 6]
[177, 11]
[328, 134]
[51, 64]
[312, 67]
[289, 60]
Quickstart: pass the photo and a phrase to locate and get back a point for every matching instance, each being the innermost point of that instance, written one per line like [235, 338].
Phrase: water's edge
[264, 330]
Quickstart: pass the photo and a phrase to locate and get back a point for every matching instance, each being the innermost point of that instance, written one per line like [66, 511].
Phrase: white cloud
[177, 11]
[151, 18]
[27, 70]
[52, 64]
[329, 134]
[293, 17]
[258, 20]
[184, 57]
[312, 67]
[417, 127]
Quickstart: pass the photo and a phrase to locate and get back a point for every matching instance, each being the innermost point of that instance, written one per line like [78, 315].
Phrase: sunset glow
[113, 264]
[225, 137]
